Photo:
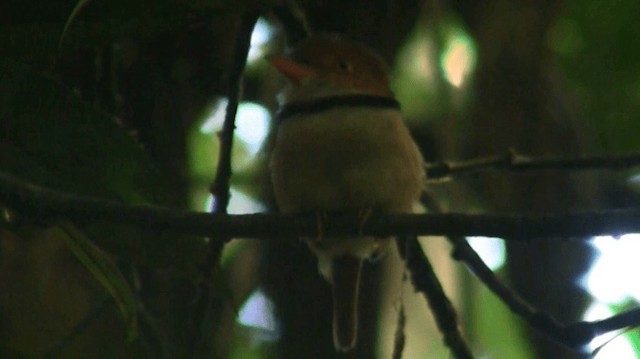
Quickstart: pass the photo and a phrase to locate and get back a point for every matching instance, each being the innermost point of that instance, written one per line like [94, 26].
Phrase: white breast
[346, 158]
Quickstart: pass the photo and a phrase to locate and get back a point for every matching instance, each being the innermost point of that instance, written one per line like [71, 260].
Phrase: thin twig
[513, 162]
[400, 337]
[627, 319]
[425, 281]
[220, 189]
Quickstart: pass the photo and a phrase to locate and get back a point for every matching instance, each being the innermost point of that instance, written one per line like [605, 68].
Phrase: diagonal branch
[540, 321]
[513, 162]
[575, 335]
[425, 281]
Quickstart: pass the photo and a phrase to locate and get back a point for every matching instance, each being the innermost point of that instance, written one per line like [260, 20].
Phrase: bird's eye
[345, 66]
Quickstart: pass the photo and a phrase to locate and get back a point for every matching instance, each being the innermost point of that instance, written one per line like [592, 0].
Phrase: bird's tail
[345, 278]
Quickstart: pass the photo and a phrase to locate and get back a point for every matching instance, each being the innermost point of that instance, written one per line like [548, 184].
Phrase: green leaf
[105, 272]
[81, 4]
[83, 147]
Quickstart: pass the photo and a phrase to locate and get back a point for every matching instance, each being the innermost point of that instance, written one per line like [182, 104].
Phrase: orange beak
[294, 71]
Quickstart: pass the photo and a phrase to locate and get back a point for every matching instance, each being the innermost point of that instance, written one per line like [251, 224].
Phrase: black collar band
[326, 103]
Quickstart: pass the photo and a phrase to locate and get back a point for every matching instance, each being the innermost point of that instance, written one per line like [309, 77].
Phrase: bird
[341, 146]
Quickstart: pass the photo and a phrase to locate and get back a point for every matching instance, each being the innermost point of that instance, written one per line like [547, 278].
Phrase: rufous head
[329, 64]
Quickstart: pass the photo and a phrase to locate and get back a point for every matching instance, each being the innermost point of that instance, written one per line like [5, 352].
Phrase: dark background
[111, 109]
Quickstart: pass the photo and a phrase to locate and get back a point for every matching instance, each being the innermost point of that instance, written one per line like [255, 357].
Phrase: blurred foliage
[51, 137]
[419, 77]
[594, 72]
[596, 44]
[490, 319]
[632, 336]
[83, 149]
[105, 271]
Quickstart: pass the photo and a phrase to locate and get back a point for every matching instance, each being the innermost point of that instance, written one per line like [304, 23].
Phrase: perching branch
[513, 162]
[44, 204]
